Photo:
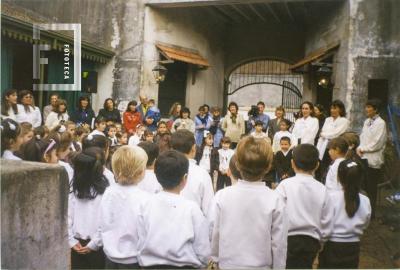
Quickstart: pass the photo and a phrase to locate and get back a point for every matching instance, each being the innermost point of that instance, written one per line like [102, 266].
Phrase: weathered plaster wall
[374, 52]
[34, 201]
[116, 25]
[185, 28]
[248, 42]
[330, 29]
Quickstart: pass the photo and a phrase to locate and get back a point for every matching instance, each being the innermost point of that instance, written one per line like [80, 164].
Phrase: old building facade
[218, 51]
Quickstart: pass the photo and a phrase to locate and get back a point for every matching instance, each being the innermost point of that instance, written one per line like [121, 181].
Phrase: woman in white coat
[58, 116]
[306, 127]
[334, 126]
[27, 111]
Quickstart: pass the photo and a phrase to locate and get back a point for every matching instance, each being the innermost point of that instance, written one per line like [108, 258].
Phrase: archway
[267, 80]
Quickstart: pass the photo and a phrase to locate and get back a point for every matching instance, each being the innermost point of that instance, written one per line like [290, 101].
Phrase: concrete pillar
[34, 203]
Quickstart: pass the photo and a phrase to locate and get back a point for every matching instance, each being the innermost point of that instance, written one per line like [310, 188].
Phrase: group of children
[148, 201]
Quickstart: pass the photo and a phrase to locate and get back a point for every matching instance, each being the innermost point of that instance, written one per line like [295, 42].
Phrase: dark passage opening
[379, 89]
[173, 88]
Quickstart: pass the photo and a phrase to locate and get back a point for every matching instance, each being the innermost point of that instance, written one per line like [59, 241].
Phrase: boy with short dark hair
[309, 208]
[199, 185]
[248, 220]
[149, 182]
[283, 159]
[173, 232]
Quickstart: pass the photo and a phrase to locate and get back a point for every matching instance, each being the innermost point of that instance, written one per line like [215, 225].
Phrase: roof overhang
[316, 55]
[190, 56]
[23, 31]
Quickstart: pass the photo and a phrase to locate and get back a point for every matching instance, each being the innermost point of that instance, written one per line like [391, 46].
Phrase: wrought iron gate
[268, 71]
[291, 99]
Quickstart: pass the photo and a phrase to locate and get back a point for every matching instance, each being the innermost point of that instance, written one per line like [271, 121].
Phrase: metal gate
[291, 99]
[268, 72]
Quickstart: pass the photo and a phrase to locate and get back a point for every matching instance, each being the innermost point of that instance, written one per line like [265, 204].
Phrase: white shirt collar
[250, 183]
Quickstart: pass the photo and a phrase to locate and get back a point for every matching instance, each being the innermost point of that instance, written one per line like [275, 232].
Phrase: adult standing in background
[110, 112]
[306, 127]
[233, 124]
[49, 108]
[261, 116]
[333, 127]
[9, 107]
[372, 144]
[143, 106]
[27, 111]
[149, 117]
[202, 123]
[84, 114]
[319, 112]
[273, 125]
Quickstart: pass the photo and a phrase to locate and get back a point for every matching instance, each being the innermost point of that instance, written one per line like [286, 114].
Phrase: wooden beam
[214, 13]
[273, 13]
[227, 14]
[257, 13]
[288, 11]
[241, 12]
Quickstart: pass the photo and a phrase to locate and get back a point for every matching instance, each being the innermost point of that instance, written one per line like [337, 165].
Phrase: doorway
[379, 89]
[173, 88]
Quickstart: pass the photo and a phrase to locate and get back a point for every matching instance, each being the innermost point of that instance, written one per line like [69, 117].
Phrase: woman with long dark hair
[109, 112]
[84, 114]
[132, 117]
[306, 127]
[352, 216]
[9, 107]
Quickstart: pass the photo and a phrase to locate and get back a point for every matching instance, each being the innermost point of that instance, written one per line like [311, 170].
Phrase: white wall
[185, 28]
[104, 86]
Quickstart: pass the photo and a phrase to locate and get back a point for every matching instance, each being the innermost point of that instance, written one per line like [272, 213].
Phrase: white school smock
[373, 140]
[346, 229]
[150, 183]
[134, 140]
[84, 220]
[332, 182]
[224, 158]
[332, 128]
[306, 129]
[205, 161]
[172, 231]
[110, 176]
[198, 187]
[11, 115]
[97, 132]
[7, 154]
[248, 227]
[308, 205]
[53, 119]
[33, 116]
[69, 170]
[118, 222]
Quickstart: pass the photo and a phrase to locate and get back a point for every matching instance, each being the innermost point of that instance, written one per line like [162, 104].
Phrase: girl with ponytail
[88, 186]
[352, 216]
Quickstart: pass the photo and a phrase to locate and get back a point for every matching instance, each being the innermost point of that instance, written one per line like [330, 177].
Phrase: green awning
[23, 31]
